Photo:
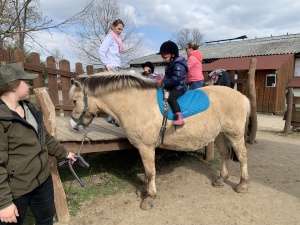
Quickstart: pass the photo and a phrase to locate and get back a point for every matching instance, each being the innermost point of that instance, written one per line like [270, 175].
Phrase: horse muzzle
[75, 124]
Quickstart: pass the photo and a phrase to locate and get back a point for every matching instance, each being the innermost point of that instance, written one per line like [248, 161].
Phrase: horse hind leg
[241, 153]
[148, 157]
[225, 154]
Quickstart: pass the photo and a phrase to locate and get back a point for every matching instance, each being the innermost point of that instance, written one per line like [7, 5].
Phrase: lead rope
[82, 162]
[161, 135]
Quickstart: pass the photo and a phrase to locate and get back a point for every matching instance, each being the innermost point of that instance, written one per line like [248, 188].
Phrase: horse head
[90, 93]
[82, 115]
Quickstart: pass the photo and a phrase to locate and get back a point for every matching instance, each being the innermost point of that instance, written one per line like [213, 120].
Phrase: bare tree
[21, 19]
[186, 35]
[56, 53]
[93, 29]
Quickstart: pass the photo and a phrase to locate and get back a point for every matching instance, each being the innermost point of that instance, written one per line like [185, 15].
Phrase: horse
[132, 100]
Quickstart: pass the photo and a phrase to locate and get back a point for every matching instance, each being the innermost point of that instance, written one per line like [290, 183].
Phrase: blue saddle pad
[191, 103]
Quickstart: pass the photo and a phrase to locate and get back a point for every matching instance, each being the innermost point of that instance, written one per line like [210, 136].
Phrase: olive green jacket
[24, 153]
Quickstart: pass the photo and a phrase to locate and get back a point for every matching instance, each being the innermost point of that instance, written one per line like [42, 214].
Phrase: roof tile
[277, 45]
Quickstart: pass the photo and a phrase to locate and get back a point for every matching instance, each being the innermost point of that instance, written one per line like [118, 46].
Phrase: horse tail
[248, 109]
[248, 114]
[232, 155]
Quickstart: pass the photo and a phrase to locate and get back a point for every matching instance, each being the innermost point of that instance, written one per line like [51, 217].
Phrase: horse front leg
[148, 159]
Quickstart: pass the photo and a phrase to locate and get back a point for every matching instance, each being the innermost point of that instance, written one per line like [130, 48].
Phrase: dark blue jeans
[196, 84]
[174, 95]
[41, 202]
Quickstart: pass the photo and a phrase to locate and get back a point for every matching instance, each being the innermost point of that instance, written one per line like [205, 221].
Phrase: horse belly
[187, 140]
[186, 143]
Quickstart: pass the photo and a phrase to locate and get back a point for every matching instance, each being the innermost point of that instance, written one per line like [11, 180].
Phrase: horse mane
[106, 82]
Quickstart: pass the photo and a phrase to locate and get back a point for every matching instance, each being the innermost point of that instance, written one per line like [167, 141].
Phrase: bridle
[79, 121]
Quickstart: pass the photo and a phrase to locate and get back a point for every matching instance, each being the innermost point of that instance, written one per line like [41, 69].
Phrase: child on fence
[25, 144]
[110, 52]
[220, 77]
[148, 72]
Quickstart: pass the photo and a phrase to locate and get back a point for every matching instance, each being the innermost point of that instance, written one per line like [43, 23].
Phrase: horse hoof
[141, 193]
[241, 188]
[146, 204]
[218, 183]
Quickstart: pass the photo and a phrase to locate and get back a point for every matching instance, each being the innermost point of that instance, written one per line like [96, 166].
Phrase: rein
[79, 121]
[82, 162]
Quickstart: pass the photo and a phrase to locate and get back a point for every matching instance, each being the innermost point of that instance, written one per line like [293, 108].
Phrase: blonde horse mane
[107, 82]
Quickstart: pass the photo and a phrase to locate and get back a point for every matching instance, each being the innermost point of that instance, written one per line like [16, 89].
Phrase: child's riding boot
[179, 121]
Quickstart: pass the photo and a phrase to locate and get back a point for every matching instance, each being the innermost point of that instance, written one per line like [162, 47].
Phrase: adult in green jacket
[25, 179]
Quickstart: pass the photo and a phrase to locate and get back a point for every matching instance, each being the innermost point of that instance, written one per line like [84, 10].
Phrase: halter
[79, 121]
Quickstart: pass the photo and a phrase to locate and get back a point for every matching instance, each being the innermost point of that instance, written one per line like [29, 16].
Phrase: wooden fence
[61, 75]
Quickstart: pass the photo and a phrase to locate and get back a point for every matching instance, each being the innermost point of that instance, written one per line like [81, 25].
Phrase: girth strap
[165, 118]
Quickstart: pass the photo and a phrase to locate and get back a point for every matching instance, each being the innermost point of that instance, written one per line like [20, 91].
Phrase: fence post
[3, 55]
[89, 70]
[19, 56]
[47, 106]
[52, 83]
[252, 97]
[79, 68]
[65, 84]
[289, 112]
[35, 60]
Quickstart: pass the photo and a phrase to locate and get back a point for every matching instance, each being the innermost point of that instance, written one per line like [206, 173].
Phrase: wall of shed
[285, 74]
[265, 96]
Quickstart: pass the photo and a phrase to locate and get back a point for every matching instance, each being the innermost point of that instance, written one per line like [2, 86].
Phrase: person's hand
[9, 214]
[110, 68]
[71, 156]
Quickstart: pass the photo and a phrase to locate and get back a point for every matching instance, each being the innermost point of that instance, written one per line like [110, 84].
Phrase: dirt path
[186, 196]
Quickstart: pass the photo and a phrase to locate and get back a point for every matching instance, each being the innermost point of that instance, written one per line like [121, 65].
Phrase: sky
[157, 20]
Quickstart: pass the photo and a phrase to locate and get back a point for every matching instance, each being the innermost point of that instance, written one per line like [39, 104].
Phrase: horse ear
[77, 85]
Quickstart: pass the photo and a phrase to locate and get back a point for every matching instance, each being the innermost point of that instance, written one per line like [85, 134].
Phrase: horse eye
[74, 102]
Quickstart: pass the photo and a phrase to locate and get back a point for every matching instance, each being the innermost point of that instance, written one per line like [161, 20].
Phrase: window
[271, 80]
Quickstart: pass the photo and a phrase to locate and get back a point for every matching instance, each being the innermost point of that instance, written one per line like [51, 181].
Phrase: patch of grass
[107, 175]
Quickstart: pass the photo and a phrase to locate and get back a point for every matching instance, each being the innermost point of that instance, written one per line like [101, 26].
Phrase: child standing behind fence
[194, 76]
[110, 52]
[148, 68]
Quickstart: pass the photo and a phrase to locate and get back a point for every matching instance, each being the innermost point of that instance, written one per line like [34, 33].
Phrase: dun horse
[132, 101]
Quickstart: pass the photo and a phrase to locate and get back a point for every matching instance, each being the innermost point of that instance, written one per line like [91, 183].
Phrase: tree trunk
[288, 118]
[252, 97]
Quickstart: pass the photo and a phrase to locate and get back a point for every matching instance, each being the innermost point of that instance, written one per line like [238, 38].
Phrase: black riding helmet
[150, 65]
[169, 47]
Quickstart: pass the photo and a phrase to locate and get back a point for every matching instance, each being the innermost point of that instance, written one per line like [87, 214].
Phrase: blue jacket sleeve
[177, 75]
